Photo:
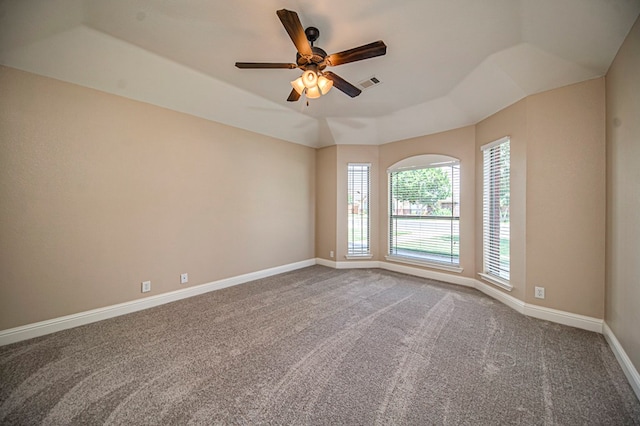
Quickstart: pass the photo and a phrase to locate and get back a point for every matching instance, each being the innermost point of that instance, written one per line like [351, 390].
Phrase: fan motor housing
[318, 58]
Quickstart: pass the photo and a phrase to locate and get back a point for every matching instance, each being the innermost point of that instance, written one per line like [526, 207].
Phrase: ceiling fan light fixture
[298, 85]
[309, 79]
[313, 92]
[324, 84]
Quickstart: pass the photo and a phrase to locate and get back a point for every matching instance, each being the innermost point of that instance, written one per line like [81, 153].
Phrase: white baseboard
[396, 267]
[625, 362]
[540, 312]
[535, 311]
[425, 273]
[357, 264]
[507, 299]
[553, 315]
[29, 331]
[325, 262]
[563, 317]
[349, 264]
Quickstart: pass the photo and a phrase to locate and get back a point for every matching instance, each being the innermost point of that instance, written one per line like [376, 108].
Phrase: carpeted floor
[319, 346]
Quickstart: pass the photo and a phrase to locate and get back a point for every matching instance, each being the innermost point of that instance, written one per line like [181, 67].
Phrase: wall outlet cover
[146, 286]
[184, 278]
[539, 292]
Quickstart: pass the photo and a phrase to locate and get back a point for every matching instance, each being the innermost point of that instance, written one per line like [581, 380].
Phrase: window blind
[358, 182]
[495, 211]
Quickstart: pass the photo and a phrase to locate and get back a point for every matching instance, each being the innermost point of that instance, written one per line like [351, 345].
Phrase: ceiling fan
[315, 81]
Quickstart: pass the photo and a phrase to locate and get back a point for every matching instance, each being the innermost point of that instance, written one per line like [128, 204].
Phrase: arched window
[424, 210]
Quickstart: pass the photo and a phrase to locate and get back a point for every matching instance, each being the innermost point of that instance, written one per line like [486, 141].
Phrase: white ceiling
[449, 63]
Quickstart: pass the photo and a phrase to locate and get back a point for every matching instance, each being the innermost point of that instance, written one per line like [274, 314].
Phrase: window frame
[492, 270]
[417, 162]
[351, 253]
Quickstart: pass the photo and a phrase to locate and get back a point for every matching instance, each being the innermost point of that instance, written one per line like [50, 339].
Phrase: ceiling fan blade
[342, 84]
[292, 24]
[293, 96]
[264, 65]
[371, 50]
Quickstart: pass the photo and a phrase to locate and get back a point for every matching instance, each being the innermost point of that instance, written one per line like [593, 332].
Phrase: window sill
[416, 262]
[496, 281]
[358, 256]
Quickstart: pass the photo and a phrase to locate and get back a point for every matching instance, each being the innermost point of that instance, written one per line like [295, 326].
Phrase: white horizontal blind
[495, 211]
[358, 228]
[425, 213]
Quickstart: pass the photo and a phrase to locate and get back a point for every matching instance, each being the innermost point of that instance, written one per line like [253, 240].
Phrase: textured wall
[326, 198]
[566, 198]
[99, 193]
[623, 196]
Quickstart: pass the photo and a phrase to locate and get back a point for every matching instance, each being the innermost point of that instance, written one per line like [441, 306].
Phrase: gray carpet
[319, 346]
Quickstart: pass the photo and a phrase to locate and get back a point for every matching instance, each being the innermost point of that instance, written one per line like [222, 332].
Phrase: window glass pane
[425, 213]
[496, 210]
[358, 209]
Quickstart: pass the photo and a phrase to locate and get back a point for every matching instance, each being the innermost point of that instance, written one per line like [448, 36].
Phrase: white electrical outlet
[331, 254]
[539, 292]
[184, 278]
[146, 286]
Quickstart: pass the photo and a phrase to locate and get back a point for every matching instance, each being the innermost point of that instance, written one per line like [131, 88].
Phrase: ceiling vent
[370, 82]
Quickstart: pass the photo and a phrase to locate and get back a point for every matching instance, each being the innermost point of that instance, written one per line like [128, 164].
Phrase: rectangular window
[358, 181]
[424, 202]
[495, 210]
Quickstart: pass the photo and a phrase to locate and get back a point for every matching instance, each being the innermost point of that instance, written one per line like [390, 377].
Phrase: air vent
[370, 82]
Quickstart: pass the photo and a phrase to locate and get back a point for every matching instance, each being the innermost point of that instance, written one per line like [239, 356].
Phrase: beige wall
[458, 143]
[326, 201]
[623, 196]
[356, 154]
[512, 122]
[566, 198]
[99, 193]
